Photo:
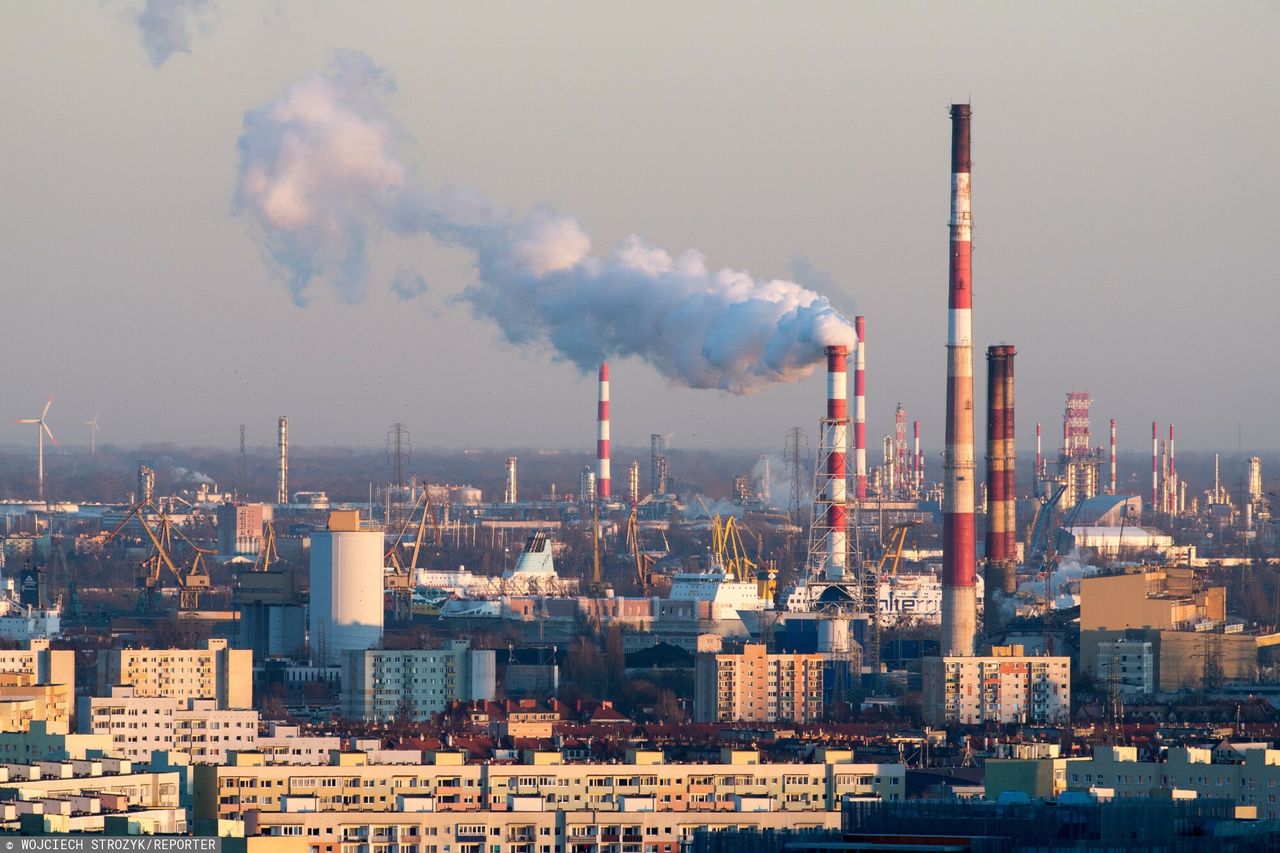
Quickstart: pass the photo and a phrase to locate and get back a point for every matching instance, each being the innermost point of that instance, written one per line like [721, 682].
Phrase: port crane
[399, 577]
[191, 578]
[644, 562]
[872, 572]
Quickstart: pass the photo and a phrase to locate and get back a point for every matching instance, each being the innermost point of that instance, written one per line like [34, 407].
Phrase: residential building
[192, 731]
[647, 783]
[84, 795]
[40, 742]
[45, 665]
[1248, 774]
[380, 684]
[755, 686]
[1037, 771]
[1005, 687]
[216, 672]
[22, 700]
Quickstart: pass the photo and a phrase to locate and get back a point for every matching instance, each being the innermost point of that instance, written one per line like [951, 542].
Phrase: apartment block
[1005, 687]
[1247, 773]
[192, 731]
[88, 796]
[1128, 665]
[378, 684]
[412, 831]
[216, 672]
[755, 686]
[22, 700]
[647, 783]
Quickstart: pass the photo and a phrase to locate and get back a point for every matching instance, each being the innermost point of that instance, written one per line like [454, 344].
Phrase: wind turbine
[93, 435]
[41, 429]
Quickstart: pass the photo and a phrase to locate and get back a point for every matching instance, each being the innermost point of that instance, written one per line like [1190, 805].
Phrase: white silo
[346, 589]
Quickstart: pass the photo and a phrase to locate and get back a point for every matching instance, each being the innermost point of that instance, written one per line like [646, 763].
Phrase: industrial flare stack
[959, 601]
[602, 436]
[282, 472]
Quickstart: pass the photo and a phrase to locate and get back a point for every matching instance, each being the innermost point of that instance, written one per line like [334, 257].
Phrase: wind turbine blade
[26, 420]
[49, 433]
[46, 407]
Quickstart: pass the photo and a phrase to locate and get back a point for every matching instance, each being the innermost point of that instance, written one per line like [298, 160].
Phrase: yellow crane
[399, 580]
[268, 554]
[644, 562]
[191, 579]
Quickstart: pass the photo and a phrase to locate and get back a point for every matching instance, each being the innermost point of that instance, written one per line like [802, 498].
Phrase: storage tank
[465, 496]
[346, 590]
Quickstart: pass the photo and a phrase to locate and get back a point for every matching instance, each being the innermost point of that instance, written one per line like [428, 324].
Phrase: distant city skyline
[1121, 213]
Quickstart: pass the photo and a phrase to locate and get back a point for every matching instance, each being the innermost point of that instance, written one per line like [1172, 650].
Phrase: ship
[901, 599]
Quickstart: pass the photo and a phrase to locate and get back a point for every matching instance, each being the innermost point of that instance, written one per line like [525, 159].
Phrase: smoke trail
[167, 26]
[321, 176]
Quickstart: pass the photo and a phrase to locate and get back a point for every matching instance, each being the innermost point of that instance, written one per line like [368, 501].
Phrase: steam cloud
[168, 26]
[321, 176]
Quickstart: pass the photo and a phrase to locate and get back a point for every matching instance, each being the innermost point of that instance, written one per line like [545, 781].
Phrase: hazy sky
[1125, 181]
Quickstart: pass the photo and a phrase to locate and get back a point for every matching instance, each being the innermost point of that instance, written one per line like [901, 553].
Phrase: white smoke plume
[187, 475]
[168, 26]
[321, 175]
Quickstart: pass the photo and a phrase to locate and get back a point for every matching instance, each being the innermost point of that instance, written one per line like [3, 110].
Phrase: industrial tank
[346, 593]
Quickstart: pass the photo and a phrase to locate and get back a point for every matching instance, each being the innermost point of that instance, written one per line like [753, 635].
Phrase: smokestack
[1113, 456]
[917, 481]
[1035, 475]
[959, 604]
[282, 475]
[1173, 476]
[995, 456]
[509, 494]
[633, 483]
[836, 426]
[1010, 465]
[602, 436]
[860, 411]
[1155, 467]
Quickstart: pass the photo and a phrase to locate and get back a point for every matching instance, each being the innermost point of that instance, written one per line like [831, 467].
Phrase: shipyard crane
[399, 577]
[644, 562]
[268, 554]
[190, 579]
[1037, 543]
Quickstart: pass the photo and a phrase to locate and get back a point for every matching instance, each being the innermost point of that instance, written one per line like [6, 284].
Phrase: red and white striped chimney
[917, 481]
[1113, 456]
[602, 436]
[995, 455]
[1155, 467]
[837, 467]
[1173, 476]
[1038, 462]
[860, 411]
[959, 595]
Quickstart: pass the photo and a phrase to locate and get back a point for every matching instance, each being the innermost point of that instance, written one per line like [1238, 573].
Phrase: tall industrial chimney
[633, 484]
[1010, 470]
[1173, 476]
[282, 475]
[959, 603]
[1113, 456]
[836, 427]
[860, 411]
[917, 478]
[995, 457]
[1155, 466]
[602, 436]
[509, 491]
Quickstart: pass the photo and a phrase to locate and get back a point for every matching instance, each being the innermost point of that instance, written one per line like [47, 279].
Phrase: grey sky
[1124, 179]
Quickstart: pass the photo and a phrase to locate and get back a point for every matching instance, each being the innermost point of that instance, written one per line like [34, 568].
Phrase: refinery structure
[440, 636]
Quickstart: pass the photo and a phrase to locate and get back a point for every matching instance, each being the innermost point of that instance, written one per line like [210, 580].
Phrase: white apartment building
[645, 783]
[216, 672]
[193, 731]
[83, 795]
[1005, 687]
[1247, 773]
[377, 683]
[45, 665]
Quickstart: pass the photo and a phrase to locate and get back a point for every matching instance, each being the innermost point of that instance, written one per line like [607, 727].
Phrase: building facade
[217, 672]
[1005, 687]
[755, 686]
[193, 731]
[384, 684]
